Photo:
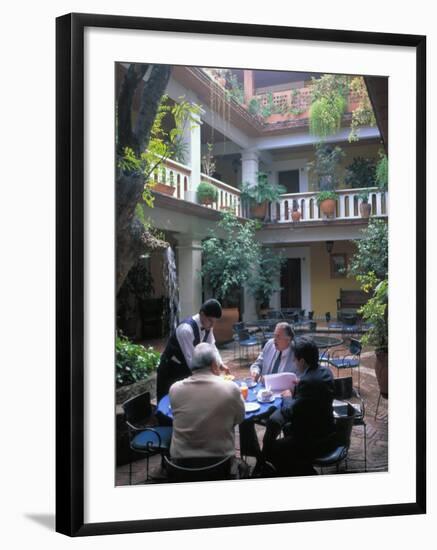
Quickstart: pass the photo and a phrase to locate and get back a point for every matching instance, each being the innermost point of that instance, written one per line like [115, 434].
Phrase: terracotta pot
[381, 371]
[295, 215]
[206, 201]
[259, 211]
[164, 189]
[365, 209]
[223, 326]
[327, 207]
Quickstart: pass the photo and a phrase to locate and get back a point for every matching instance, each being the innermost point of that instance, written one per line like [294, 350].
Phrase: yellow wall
[324, 290]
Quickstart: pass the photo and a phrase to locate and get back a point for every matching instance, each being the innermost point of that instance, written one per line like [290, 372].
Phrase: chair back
[138, 408]
[343, 387]
[242, 335]
[355, 346]
[328, 316]
[343, 427]
[198, 468]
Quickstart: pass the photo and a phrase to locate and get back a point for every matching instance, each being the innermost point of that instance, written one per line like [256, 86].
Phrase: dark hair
[211, 308]
[306, 349]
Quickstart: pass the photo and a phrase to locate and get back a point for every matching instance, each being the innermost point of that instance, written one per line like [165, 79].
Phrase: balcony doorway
[291, 284]
[290, 180]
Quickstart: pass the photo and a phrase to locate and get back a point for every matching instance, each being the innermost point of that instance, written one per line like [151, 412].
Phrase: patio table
[324, 341]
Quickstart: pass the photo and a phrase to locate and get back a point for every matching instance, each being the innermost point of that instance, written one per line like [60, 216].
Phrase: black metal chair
[144, 439]
[198, 468]
[245, 340]
[344, 391]
[343, 430]
[349, 360]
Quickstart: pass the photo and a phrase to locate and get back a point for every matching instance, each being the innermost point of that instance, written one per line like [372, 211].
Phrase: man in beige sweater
[205, 409]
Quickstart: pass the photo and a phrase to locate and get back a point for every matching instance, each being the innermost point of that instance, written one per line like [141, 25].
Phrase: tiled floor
[377, 428]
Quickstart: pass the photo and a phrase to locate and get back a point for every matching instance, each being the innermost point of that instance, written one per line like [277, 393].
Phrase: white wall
[28, 279]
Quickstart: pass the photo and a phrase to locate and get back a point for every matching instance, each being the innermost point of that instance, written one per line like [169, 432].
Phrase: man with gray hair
[277, 355]
[205, 408]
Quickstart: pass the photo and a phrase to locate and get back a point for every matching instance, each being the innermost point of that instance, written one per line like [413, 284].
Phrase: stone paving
[377, 428]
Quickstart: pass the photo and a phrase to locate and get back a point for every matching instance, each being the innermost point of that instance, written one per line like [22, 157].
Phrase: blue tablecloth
[165, 409]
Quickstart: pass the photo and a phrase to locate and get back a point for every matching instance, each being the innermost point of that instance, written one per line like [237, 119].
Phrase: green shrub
[360, 173]
[207, 192]
[133, 362]
[382, 172]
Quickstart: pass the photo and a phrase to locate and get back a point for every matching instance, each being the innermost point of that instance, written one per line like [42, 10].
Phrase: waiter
[175, 362]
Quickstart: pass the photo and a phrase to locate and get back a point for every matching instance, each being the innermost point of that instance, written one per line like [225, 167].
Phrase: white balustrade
[348, 205]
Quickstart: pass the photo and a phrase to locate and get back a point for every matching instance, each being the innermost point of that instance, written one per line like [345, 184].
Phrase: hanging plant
[328, 104]
[363, 114]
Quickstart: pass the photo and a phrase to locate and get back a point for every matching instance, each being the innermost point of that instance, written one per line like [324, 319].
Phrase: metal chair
[144, 439]
[343, 430]
[350, 360]
[344, 391]
[244, 340]
[198, 468]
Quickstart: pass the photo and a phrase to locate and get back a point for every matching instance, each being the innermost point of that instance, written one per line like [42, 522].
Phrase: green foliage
[264, 278]
[325, 165]
[363, 114]
[254, 106]
[375, 311]
[325, 115]
[364, 196]
[228, 262]
[382, 172]
[206, 192]
[372, 251]
[360, 173]
[263, 191]
[133, 362]
[326, 195]
[208, 161]
[162, 144]
[235, 89]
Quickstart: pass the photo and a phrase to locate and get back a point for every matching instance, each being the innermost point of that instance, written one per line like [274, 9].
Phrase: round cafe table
[324, 341]
[164, 407]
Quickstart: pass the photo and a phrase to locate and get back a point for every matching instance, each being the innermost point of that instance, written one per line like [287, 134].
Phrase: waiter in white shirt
[277, 355]
[175, 362]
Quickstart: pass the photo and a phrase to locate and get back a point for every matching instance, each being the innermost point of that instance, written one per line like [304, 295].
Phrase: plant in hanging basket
[206, 193]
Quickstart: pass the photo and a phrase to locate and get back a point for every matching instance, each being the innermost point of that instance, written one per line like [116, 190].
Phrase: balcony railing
[348, 205]
[177, 176]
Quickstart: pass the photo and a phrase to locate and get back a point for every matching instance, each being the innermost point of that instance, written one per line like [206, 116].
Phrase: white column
[190, 282]
[194, 160]
[249, 306]
[249, 167]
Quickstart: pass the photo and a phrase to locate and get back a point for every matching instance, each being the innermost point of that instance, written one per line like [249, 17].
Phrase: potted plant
[259, 195]
[206, 193]
[295, 212]
[375, 312]
[162, 186]
[327, 202]
[325, 167]
[365, 207]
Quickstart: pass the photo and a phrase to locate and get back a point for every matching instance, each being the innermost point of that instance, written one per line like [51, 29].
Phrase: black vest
[173, 349]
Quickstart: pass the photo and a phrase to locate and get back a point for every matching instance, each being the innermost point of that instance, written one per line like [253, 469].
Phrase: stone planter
[164, 189]
[365, 209]
[327, 207]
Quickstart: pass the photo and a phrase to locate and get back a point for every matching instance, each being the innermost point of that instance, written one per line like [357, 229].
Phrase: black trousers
[168, 373]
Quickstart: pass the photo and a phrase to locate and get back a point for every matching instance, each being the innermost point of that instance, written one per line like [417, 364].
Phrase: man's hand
[225, 369]
[286, 393]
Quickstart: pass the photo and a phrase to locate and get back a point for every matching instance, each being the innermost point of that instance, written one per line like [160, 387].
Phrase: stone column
[249, 166]
[194, 156]
[190, 282]
[249, 313]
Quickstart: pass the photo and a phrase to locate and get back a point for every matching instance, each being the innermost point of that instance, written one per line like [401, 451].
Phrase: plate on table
[264, 401]
[252, 407]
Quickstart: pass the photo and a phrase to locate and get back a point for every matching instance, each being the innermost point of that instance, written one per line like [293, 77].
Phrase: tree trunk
[132, 239]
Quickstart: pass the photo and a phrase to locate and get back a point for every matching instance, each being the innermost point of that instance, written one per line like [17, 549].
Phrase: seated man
[277, 354]
[308, 416]
[205, 409]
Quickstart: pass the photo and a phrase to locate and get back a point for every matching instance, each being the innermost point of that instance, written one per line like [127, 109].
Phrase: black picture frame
[70, 273]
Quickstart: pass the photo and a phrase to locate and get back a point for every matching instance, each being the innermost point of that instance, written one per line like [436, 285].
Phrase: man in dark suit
[306, 417]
